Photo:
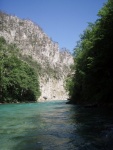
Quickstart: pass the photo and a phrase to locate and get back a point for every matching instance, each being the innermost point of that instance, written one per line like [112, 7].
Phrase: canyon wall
[34, 43]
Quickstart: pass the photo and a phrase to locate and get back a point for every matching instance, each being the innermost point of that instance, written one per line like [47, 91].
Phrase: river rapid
[55, 126]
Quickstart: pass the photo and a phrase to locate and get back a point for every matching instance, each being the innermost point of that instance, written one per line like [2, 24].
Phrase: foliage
[68, 85]
[42, 70]
[19, 81]
[33, 64]
[69, 81]
[93, 81]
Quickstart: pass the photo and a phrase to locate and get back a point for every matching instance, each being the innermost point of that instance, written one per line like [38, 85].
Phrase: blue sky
[61, 20]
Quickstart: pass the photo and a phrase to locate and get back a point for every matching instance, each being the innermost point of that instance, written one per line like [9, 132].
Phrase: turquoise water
[55, 126]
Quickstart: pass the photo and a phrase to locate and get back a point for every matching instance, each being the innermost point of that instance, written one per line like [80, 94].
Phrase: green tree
[93, 80]
[69, 85]
[19, 82]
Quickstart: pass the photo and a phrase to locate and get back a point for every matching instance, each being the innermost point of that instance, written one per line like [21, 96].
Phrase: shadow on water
[61, 126]
[94, 127]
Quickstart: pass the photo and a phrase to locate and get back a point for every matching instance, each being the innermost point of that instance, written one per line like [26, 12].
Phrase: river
[55, 126]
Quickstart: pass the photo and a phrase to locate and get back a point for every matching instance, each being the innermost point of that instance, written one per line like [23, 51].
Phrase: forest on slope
[92, 82]
[18, 78]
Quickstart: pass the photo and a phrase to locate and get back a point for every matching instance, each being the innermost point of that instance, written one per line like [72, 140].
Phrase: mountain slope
[35, 44]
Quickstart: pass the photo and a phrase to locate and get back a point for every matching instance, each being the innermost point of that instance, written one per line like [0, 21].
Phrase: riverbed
[55, 126]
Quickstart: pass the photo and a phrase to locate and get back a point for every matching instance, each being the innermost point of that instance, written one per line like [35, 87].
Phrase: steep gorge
[35, 44]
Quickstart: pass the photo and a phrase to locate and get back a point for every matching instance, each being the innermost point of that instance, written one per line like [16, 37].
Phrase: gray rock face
[33, 42]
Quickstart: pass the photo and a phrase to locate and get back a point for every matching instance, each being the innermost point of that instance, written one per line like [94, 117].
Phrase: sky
[61, 20]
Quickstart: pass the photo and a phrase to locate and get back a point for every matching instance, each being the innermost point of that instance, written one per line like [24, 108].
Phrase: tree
[19, 82]
[93, 80]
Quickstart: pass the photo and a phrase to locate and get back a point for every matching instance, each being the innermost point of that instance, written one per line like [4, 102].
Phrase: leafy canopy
[19, 82]
[93, 79]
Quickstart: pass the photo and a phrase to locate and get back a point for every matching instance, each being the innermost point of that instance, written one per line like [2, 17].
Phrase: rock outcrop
[33, 42]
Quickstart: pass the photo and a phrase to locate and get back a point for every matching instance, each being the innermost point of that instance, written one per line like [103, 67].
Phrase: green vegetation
[69, 82]
[19, 81]
[69, 85]
[42, 70]
[93, 79]
[33, 64]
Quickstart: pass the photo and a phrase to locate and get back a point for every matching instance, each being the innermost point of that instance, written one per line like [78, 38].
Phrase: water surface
[55, 126]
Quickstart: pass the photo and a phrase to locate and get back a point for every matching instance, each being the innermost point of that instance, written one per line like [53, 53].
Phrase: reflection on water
[55, 126]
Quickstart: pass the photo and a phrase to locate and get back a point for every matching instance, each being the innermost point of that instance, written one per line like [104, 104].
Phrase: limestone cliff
[33, 42]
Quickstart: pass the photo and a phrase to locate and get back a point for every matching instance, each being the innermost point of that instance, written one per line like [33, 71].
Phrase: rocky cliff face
[33, 42]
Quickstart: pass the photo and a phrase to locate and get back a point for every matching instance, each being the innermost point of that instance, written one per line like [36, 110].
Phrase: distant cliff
[34, 43]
